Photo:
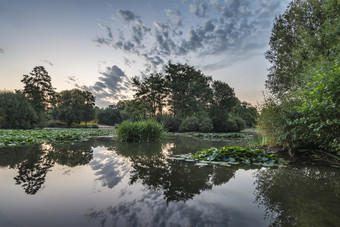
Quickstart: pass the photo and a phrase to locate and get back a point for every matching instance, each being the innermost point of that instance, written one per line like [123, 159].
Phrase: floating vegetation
[228, 156]
[9, 138]
[216, 136]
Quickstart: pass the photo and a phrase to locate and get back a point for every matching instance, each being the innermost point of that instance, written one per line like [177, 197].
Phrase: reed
[141, 131]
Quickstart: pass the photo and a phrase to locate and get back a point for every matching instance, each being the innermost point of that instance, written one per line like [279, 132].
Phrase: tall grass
[141, 131]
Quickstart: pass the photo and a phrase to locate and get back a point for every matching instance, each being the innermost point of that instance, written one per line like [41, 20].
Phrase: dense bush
[317, 118]
[205, 125]
[109, 116]
[189, 124]
[170, 123]
[308, 116]
[235, 124]
[16, 112]
[140, 131]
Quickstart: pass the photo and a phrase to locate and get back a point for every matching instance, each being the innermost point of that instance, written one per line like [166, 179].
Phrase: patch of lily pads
[228, 156]
[12, 138]
[216, 136]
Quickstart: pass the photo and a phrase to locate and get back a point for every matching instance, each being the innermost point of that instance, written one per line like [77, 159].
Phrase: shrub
[230, 126]
[235, 124]
[170, 123]
[205, 125]
[141, 131]
[109, 116]
[16, 112]
[189, 124]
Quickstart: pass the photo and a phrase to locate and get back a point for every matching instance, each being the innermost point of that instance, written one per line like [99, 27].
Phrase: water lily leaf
[201, 164]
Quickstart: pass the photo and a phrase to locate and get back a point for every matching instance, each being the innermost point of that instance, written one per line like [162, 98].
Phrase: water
[105, 183]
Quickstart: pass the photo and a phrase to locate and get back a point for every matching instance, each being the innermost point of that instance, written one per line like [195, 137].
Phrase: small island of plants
[140, 131]
[234, 155]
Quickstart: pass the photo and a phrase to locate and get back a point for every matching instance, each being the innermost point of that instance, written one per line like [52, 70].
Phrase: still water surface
[106, 183]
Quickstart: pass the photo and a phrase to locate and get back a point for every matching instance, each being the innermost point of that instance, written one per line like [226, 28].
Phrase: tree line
[182, 98]
[38, 102]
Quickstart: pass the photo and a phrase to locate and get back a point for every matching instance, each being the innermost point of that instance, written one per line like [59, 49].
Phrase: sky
[99, 45]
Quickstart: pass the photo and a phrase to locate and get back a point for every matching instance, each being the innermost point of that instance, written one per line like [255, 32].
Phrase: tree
[189, 90]
[288, 53]
[135, 109]
[38, 89]
[303, 79]
[88, 107]
[224, 100]
[247, 112]
[109, 116]
[16, 112]
[75, 106]
[152, 91]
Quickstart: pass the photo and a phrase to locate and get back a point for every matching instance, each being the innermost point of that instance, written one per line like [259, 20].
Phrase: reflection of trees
[33, 162]
[32, 171]
[73, 155]
[300, 196]
[179, 180]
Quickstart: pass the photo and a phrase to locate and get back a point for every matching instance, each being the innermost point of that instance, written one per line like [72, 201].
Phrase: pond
[105, 183]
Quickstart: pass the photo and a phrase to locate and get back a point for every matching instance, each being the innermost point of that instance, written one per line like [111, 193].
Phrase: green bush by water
[141, 131]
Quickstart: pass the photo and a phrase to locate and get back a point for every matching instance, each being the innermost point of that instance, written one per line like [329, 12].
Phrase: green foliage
[152, 92]
[235, 124]
[247, 112]
[109, 116]
[140, 131]
[303, 79]
[235, 156]
[306, 117]
[224, 100]
[205, 125]
[318, 114]
[306, 31]
[189, 124]
[170, 123]
[26, 137]
[38, 89]
[75, 106]
[189, 90]
[16, 112]
[213, 136]
[135, 109]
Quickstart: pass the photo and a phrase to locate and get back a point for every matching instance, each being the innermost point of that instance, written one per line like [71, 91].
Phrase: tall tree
[152, 91]
[224, 100]
[75, 106]
[189, 89]
[288, 54]
[88, 107]
[38, 89]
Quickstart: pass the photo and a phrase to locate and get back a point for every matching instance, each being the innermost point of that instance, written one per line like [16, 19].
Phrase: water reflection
[33, 169]
[34, 162]
[139, 186]
[178, 180]
[151, 210]
[299, 196]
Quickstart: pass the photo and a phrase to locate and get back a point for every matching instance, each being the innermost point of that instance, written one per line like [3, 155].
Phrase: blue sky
[99, 44]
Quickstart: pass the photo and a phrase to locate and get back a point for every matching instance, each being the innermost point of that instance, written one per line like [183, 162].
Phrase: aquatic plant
[26, 137]
[234, 156]
[141, 131]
